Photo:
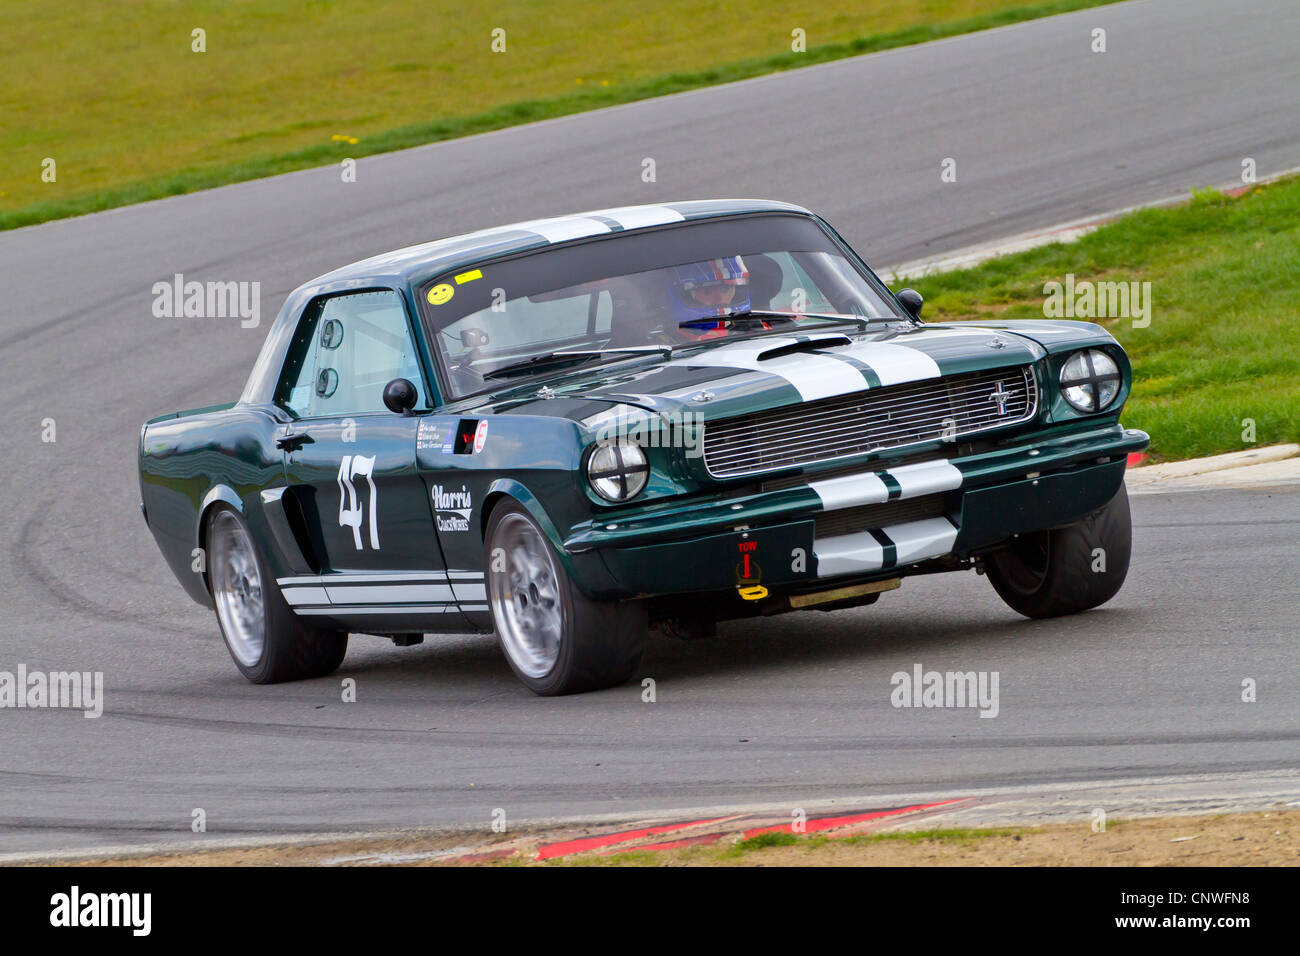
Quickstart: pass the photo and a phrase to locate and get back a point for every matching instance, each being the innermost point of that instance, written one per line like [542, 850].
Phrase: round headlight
[1090, 380]
[618, 471]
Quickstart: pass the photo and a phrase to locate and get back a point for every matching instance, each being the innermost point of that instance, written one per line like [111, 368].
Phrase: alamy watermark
[922, 688]
[179, 299]
[1084, 299]
[73, 690]
[133, 911]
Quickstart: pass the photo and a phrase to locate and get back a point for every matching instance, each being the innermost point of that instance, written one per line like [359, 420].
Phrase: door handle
[292, 442]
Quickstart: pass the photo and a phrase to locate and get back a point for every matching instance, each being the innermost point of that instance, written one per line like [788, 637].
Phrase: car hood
[733, 378]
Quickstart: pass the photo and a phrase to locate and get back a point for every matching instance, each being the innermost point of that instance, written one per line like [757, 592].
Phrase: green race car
[570, 430]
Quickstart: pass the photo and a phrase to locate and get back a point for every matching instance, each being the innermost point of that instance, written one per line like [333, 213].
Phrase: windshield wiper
[762, 315]
[575, 355]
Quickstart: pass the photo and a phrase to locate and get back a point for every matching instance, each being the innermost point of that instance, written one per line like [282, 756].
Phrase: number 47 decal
[350, 514]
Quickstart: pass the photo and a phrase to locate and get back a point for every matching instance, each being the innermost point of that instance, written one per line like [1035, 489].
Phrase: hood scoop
[810, 345]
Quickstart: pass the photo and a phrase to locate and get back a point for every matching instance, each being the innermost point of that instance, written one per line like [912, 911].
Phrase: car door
[350, 462]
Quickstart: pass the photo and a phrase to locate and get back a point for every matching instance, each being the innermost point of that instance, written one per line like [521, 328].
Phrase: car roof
[415, 264]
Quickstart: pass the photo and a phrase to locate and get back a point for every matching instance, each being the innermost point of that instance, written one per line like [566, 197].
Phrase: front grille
[799, 479]
[876, 420]
[828, 524]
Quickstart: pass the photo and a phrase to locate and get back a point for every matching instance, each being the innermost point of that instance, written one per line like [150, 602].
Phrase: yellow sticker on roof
[469, 276]
[441, 293]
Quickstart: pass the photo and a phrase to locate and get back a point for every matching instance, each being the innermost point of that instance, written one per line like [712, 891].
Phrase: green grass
[1223, 345]
[781, 838]
[113, 93]
[787, 838]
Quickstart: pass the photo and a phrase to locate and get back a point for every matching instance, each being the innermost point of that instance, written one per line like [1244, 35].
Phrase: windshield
[688, 285]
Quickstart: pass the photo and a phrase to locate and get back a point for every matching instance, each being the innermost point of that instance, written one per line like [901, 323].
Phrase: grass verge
[129, 112]
[1268, 838]
[1217, 369]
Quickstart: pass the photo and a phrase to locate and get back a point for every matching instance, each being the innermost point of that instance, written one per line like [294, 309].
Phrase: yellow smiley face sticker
[441, 293]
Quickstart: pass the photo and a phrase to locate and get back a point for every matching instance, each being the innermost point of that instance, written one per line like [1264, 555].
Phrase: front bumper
[1049, 479]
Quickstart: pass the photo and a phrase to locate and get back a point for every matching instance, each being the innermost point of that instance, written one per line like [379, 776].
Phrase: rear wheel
[1050, 573]
[268, 642]
[556, 639]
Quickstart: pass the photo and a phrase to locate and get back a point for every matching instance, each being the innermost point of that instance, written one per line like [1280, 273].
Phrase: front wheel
[268, 642]
[1050, 573]
[556, 639]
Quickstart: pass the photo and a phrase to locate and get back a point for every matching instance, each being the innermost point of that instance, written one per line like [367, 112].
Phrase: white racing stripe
[305, 595]
[381, 592]
[868, 488]
[913, 541]
[850, 491]
[926, 478]
[814, 376]
[389, 594]
[918, 540]
[465, 575]
[635, 217]
[846, 553]
[470, 592]
[559, 230]
[892, 363]
[375, 577]
[379, 609]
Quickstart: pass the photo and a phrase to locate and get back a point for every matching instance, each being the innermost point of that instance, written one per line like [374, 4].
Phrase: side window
[347, 348]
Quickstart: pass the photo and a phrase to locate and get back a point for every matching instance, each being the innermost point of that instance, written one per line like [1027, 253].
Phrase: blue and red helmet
[698, 291]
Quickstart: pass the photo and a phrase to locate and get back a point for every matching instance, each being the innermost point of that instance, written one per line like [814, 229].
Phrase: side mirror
[910, 300]
[400, 396]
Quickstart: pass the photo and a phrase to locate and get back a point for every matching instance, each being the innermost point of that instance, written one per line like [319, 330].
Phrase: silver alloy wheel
[525, 597]
[237, 589]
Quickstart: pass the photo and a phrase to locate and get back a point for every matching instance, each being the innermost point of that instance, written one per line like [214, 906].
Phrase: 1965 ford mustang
[571, 430]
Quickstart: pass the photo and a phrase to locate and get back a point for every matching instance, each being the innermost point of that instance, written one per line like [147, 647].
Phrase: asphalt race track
[788, 709]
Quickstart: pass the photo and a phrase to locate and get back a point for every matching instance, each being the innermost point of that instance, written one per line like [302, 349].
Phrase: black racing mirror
[400, 396]
[910, 300]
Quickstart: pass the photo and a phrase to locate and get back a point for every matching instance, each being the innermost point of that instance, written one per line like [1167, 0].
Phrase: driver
[700, 292]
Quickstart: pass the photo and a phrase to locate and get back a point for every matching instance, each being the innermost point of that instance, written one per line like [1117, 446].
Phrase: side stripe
[380, 609]
[380, 577]
[470, 592]
[390, 594]
[297, 596]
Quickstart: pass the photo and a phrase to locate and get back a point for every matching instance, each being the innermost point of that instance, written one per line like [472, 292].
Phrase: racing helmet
[694, 293]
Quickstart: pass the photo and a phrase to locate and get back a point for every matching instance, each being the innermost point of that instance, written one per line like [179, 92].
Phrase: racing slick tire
[555, 638]
[267, 641]
[1066, 570]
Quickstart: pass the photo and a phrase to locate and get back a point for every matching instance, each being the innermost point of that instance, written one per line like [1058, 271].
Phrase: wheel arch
[219, 494]
[518, 492]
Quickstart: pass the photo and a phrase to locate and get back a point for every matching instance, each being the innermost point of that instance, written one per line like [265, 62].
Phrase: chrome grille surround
[873, 420]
